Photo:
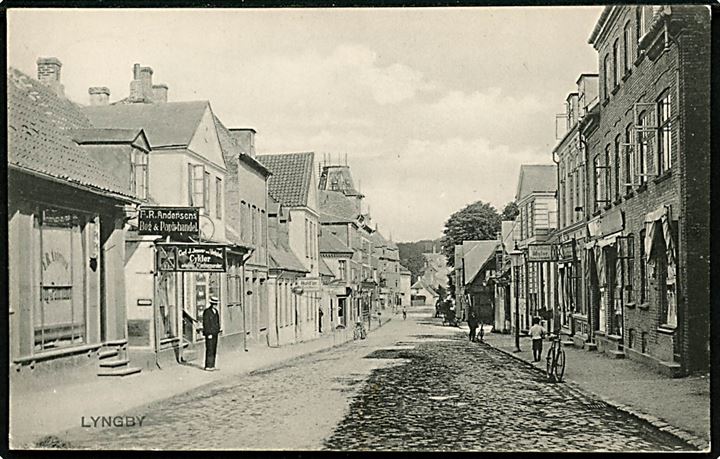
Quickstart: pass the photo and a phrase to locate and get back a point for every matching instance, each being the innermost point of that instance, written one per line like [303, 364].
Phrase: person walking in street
[404, 313]
[320, 317]
[537, 333]
[211, 329]
[472, 323]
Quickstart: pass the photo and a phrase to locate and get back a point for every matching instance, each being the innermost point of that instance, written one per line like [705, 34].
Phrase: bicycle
[359, 331]
[555, 360]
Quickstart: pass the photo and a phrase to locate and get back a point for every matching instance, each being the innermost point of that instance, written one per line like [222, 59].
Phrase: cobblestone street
[412, 385]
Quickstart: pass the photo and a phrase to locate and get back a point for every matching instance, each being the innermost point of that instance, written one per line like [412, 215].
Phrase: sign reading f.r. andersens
[176, 222]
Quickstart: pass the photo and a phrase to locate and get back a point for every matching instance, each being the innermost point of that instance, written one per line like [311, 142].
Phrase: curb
[686, 437]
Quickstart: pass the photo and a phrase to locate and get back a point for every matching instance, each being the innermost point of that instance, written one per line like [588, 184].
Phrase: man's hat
[214, 300]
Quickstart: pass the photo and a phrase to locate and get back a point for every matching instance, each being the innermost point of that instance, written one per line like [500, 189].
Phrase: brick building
[647, 147]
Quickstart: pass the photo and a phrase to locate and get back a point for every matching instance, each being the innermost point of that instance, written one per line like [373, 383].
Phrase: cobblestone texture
[413, 387]
[457, 396]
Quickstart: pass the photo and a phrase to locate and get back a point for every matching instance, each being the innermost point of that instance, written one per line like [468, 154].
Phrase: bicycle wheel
[560, 365]
[549, 364]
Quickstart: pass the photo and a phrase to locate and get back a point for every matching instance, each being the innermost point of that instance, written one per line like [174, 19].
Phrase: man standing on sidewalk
[537, 333]
[211, 328]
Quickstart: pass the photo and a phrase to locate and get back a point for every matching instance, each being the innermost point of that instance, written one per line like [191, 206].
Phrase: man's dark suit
[211, 328]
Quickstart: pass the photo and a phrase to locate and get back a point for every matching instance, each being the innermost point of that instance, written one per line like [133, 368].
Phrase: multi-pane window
[615, 66]
[616, 166]
[643, 269]
[597, 185]
[607, 175]
[139, 173]
[606, 76]
[628, 165]
[218, 197]
[643, 148]
[664, 133]
[59, 314]
[628, 48]
[206, 192]
[342, 268]
[198, 186]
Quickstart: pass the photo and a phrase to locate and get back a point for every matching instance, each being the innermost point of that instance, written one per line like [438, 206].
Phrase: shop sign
[310, 284]
[567, 250]
[611, 222]
[175, 222]
[542, 252]
[192, 258]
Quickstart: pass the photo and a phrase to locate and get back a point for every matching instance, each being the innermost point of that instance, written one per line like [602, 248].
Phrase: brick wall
[688, 86]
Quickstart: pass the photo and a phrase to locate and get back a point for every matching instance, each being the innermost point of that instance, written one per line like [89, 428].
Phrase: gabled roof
[280, 256]
[420, 283]
[536, 178]
[329, 243]
[232, 150]
[477, 257]
[40, 142]
[292, 174]
[167, 124]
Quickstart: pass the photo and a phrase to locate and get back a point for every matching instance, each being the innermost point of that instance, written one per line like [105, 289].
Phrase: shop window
[206, 285]
[167, 304]
[664, 156]
[59, 316]
[139, 173]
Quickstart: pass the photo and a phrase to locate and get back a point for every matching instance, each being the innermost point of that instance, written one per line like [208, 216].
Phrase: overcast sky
[435, 108]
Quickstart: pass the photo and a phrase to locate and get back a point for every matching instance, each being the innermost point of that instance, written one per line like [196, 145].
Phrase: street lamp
[516, 257]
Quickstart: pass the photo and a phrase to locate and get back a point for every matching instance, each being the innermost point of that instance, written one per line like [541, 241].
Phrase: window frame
[664, 132]
[218, 197]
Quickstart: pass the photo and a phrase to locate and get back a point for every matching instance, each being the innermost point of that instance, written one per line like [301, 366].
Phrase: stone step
[107, 353]
[568, 342]
[616, 354]
[123, 371]
[114, 363]
[591, 346]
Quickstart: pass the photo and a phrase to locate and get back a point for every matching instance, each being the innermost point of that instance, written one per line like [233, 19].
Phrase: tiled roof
[292, 173]
[329, 243]
[282, 257]
[536, 178]
[40, 142]
[166, 124]
[337, 204]
[231, 149]
[106, 135]
[330, 218]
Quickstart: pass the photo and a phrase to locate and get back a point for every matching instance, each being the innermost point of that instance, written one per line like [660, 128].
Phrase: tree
[510, 211]
[477, 221]
[411, 257]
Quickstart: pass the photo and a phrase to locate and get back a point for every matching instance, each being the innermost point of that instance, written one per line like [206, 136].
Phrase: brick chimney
[141, 89]
[99, 95]
[160, 93]
[48, 69]
[245, 138]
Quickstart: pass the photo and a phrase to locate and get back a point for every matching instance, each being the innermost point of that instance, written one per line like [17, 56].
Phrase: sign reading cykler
[176, 222]
[542, 252]
[201, 258]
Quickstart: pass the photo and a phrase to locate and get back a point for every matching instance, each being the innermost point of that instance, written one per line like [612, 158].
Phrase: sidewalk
[679, 405]
[37, 414]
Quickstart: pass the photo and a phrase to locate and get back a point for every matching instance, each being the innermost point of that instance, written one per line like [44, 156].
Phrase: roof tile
[292, 174]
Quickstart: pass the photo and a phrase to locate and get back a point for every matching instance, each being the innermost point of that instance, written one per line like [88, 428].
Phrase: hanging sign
[175, 222]
[201, 258]
[309, 284]
[542, 252]
[567, 250]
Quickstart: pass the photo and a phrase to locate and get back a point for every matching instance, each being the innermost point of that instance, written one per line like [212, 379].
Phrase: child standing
[537, 333]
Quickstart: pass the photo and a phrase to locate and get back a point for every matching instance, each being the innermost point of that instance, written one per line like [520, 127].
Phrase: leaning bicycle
[555, 360]
[359, 331]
